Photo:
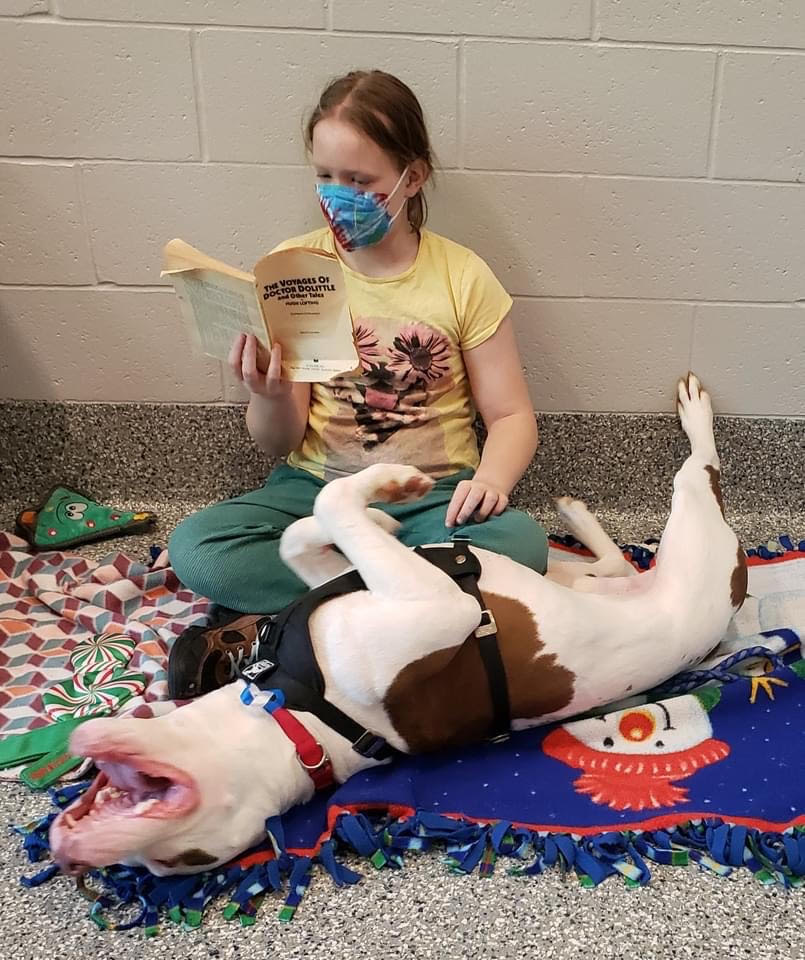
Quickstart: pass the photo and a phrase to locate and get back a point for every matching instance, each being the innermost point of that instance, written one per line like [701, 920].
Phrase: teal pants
[229, 552]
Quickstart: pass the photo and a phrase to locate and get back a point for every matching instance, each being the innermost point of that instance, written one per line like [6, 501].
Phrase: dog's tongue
[122, 775]
[174, 793]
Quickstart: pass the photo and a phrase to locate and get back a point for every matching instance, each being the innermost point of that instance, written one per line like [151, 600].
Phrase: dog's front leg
[309, 552]
[410, 608]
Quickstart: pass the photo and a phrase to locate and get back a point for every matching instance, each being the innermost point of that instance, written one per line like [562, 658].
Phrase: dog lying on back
[402, 659]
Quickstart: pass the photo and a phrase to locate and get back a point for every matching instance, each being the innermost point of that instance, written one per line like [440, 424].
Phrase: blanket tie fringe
[712, 844]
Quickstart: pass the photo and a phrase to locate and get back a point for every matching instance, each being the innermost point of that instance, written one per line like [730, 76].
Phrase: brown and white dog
[194, 787]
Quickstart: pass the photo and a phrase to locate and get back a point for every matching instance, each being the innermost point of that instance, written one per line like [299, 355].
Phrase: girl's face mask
[358, 218]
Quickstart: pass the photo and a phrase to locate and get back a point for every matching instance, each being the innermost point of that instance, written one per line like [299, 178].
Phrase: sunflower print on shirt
[397, 381]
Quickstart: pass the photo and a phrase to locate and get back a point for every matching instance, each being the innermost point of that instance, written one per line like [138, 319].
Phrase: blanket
[707, 769]
[83, 637]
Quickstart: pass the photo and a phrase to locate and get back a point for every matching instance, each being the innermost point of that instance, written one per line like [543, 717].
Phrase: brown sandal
[205, 658]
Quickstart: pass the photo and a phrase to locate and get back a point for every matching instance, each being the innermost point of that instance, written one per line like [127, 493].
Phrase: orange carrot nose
[636, 726]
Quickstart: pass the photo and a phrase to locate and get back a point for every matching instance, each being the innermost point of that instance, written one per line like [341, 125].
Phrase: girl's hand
[260, 371]
[475, 499]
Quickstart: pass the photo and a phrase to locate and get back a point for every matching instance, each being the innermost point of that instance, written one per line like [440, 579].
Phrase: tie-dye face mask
[358, 218]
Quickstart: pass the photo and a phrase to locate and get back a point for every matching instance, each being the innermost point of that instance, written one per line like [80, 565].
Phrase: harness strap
[496, 675]
[465, 568]
[363, 741]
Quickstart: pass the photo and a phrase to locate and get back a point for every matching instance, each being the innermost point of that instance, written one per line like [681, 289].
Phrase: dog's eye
[609, 742]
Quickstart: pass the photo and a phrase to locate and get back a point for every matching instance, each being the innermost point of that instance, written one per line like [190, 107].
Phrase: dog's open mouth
[126, 790]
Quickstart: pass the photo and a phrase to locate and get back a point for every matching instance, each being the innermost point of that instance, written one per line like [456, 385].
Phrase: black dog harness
[286, 661]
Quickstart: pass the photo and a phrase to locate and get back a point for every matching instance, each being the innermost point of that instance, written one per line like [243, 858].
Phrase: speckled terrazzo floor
[163, 460]
[420, 912]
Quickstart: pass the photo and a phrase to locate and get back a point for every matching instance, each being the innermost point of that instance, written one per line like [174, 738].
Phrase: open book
[296, 297]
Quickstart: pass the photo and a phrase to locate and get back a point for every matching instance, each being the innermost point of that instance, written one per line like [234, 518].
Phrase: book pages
[217, 307]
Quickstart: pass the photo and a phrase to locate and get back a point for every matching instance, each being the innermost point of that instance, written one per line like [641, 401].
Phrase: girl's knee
[191, 548]
[188, 536]
[517, 535]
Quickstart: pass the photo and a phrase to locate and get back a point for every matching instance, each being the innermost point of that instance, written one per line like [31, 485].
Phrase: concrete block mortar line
[198, 97]
[82, 205]
[595, 20]
[110, 285]
[160, 24]
[712, 46]
[692, 343]
[725, 181]
[33, 160]
[461, 86]
[715, 114]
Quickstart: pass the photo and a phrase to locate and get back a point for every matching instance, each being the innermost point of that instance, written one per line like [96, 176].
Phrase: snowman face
[667, 727]
[631, 758]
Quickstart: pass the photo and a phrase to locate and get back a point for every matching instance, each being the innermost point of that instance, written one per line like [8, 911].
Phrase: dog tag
[257, 670]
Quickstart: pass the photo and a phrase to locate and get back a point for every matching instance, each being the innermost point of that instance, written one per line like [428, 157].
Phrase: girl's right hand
[261, 372]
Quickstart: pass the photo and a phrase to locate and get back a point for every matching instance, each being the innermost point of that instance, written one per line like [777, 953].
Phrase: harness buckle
[487, 627]
[264, 626]
[268, 700]
[369, 744]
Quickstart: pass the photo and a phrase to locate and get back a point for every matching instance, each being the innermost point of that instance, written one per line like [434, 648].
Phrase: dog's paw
[571, 511]
[576, 517]
[693, 405]
[394, 483]
[695, 412]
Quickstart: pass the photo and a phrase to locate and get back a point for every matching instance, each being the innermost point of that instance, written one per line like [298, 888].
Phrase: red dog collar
[310, 753]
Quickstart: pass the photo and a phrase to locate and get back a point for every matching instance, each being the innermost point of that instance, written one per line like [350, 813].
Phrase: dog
[193, 788]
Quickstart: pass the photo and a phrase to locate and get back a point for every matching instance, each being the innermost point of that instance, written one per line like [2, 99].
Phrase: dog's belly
[442, 698]
[635, 637]
[564, 651]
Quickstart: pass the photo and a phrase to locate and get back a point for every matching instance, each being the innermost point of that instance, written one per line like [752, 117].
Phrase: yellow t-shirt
[412, 402]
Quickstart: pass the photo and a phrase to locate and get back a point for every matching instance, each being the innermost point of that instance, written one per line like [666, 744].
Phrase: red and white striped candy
[93, 692]
[110, 649]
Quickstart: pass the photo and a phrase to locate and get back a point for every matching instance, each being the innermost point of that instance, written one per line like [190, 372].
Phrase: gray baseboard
[202, 453]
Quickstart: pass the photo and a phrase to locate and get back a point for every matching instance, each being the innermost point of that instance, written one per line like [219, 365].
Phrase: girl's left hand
[476, 500]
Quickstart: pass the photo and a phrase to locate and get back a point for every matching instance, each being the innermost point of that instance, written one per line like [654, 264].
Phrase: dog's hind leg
[586, 528]
[309, 551]
[695, 411]
[699, 554]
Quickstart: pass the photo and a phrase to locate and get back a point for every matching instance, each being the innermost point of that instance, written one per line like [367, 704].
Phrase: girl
[434, 335]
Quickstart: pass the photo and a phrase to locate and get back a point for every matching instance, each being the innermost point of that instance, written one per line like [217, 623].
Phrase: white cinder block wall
[632, 169]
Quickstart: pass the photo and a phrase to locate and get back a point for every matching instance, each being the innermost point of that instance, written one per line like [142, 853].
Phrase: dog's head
[177, 793]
